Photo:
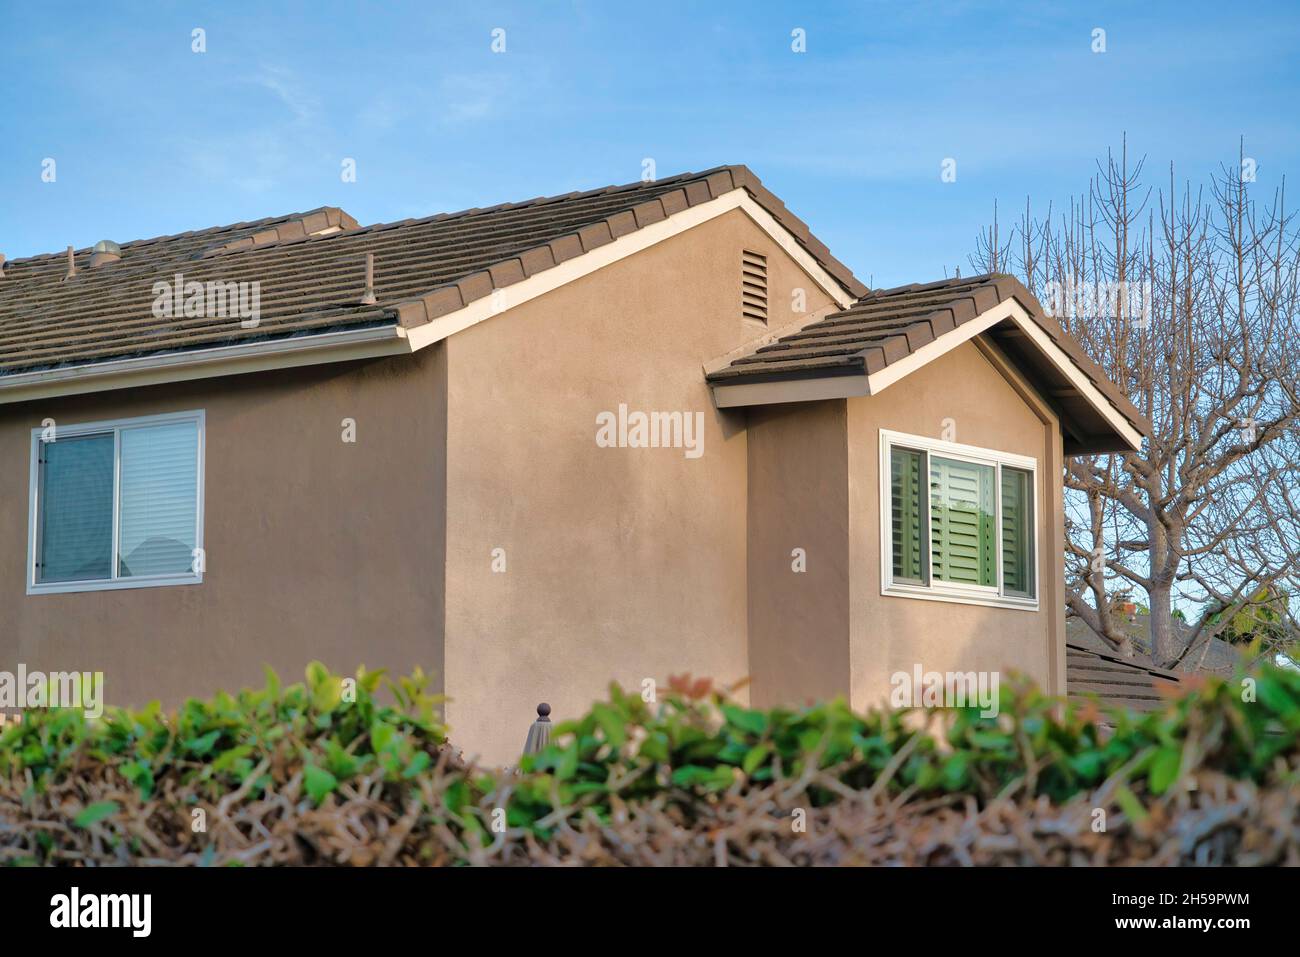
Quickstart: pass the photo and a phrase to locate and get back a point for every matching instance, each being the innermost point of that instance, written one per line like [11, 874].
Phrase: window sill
[63, 588]
[960, 598]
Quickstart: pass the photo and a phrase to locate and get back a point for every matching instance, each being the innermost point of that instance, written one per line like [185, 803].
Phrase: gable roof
[1119, 682]
[310, 268]
[888, 333]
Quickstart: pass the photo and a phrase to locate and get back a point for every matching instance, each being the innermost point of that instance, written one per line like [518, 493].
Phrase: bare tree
[1190, 303]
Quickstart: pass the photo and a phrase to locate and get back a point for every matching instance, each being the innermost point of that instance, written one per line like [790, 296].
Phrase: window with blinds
[958, 522]
[117, 504]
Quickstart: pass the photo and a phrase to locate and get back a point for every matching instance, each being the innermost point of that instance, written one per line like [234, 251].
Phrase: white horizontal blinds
[1017, 528]
[76, 501]
[963, 548]
[158, 499]
[907, 479]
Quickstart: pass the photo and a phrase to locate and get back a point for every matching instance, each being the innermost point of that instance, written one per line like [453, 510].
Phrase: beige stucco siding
[799, 575]
[315, 548]
[891, 633]
[621, 563]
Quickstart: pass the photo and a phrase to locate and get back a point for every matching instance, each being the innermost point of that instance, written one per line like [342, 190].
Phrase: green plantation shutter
[1017, 532]
[906, 474]
[963, 548]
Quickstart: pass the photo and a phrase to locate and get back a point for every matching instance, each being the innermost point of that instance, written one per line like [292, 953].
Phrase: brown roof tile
[424, 268]
[887, 325]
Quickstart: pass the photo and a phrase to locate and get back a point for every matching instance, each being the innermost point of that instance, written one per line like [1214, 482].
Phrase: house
[534, 448]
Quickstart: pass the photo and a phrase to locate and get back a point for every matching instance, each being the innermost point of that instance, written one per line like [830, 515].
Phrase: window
[117, 504]
[958, 523]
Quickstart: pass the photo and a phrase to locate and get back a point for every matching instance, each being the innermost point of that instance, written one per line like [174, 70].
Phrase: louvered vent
[753, 286]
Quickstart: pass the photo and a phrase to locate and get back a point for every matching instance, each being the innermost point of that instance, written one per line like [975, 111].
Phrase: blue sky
[151, 138]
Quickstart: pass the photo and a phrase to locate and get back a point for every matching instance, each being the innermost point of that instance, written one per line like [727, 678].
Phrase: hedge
[322, 772]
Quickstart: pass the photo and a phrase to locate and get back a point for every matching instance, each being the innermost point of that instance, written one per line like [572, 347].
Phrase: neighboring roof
[1215, 655]
[311, 284]
[1118, 682]
[888, 326]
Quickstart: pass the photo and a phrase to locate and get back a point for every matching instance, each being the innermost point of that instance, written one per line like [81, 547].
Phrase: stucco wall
[798, 601]
[621, 564]
[316, 548]
[891, 633]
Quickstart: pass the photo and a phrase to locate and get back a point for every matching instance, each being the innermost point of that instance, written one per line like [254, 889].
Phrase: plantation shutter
[159, 499]
[962, 514]
[1017, 532]
[76, 497]
[906, 472]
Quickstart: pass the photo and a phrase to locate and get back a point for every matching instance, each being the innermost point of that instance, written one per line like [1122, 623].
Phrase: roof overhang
[1092, 423]
[340, 346]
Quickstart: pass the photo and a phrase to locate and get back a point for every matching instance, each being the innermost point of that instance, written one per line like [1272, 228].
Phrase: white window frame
[933, 590]
[114, 427]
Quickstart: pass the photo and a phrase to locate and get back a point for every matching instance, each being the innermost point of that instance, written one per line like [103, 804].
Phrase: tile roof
[886, 325]
[1119, 682]
[309, 283]
[1215, 655]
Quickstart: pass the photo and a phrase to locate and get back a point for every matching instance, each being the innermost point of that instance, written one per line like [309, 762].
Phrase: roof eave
[339, 346]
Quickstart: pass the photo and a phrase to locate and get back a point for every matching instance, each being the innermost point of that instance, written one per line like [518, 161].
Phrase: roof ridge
[208, 230]
[474, 211]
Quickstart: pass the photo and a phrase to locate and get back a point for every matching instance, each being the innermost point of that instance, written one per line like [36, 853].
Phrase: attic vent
[753, 286]
[105, 251]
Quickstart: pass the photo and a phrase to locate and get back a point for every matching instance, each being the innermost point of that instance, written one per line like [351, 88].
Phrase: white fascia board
[728, 395]
[205, 363]
[540, 283]
[732, 396]
[1011, 309]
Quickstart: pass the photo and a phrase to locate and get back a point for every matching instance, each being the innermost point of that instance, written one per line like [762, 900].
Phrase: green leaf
[655, 746]
[1273, 695]
[203, 745]
[1129, 804]
[418, 764]
[93, 813]
[272, 681]
[1164, 769]
[228, 758]
[318, 782]
[755, 722]
[568, 764]
[610, 723]
[1088, 764]
[756, 756]
[381, 736]
[954, 771]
